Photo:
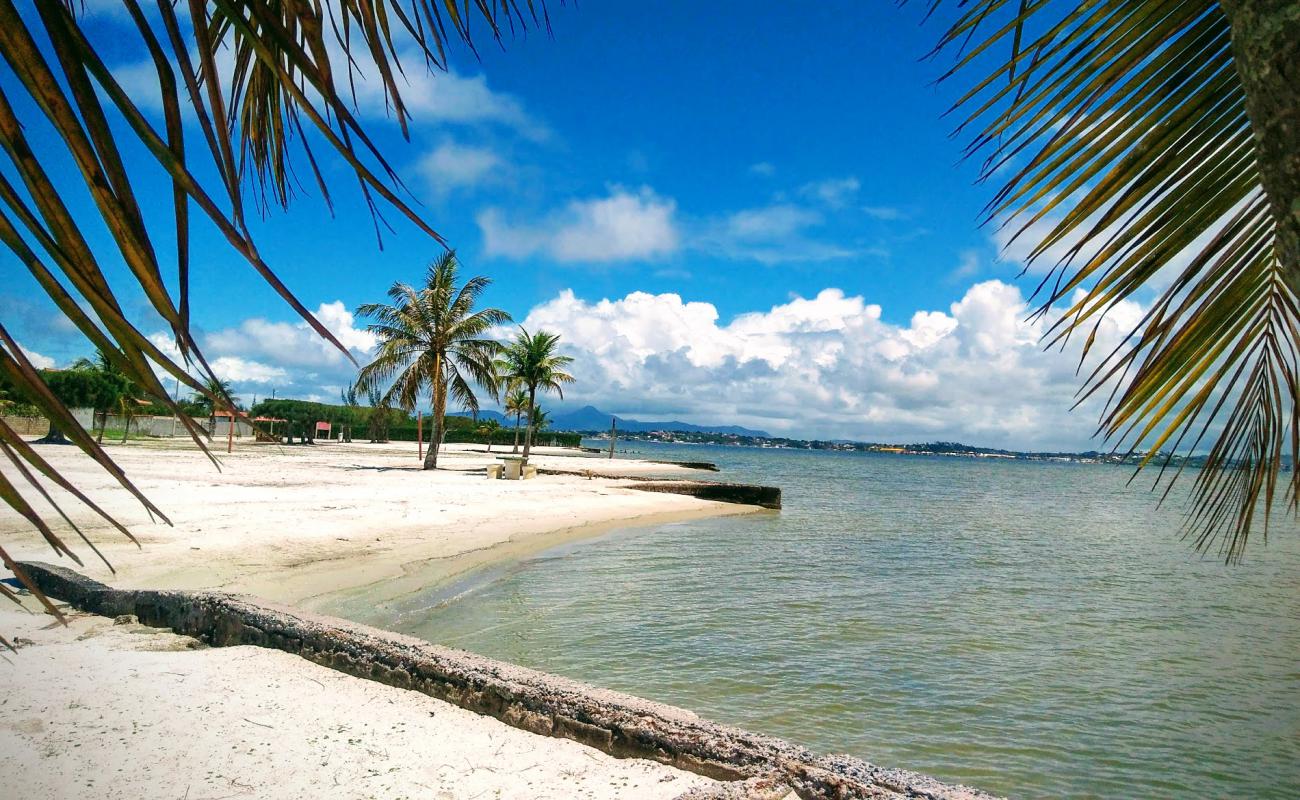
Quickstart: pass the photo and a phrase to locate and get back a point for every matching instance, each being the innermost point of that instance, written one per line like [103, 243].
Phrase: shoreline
[441, 574]
[314, 525]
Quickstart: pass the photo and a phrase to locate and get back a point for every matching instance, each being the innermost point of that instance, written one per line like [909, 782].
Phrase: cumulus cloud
[830, 366]
[624, 226]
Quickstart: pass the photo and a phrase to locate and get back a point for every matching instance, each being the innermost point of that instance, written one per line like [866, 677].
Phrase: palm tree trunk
[528, 434]
[439, 408]
[1266, 53]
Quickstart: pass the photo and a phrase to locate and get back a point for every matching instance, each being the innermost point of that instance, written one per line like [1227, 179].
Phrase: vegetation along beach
[690, 401]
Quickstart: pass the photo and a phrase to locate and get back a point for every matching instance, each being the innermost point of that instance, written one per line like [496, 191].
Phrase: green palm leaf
[1142, 131]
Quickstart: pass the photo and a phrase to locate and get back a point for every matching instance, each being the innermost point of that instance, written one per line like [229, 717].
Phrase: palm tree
[530, 361]
[215, 395]
[1156, 143]
[379, 416]
[431, 339]
[488, 428]
[541, 419]
[516, 403]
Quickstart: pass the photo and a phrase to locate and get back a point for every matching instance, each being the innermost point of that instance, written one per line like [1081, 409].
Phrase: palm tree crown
[531, 361]
[431, 339]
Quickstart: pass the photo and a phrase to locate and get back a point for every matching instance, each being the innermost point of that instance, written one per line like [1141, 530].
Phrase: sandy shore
[129, 712]
[300, 524]
[126, 711]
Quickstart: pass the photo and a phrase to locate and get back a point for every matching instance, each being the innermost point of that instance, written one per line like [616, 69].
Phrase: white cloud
[623, 226]
[968, 266]
[763, 168]
[243, 371]
[882, 212]
[431, 97]
[770, 234]
[434, 97]
[260, 354]
[39, 361]
[830, 366]
[452, 166]
[834, 192]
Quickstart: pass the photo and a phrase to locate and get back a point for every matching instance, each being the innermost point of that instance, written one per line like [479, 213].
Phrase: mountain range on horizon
[590, 418]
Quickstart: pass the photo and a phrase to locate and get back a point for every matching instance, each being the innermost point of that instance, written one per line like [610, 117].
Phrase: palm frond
[1128, 132]
[280, 97]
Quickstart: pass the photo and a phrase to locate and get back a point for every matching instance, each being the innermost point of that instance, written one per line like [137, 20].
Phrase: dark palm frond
[1133, 133]
[430, 339]
[265, 93]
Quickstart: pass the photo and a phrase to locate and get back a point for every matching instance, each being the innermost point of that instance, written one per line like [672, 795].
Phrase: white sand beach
[126, 711]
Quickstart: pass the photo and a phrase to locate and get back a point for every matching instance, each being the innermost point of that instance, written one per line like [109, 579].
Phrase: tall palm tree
[1158, 145]
[290, 86]
[516, 403]
[531, 361]
[431, 339]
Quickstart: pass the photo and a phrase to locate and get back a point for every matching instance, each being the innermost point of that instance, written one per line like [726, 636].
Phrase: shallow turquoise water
[1035, 630]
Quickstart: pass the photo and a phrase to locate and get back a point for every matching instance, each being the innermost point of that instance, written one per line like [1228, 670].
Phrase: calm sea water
[1036, 630]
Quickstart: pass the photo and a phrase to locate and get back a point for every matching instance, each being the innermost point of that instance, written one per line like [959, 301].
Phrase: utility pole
[613, 434]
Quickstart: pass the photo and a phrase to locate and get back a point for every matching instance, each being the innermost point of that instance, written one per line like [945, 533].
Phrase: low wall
[744, 493]
[618, 724]
[28, 426]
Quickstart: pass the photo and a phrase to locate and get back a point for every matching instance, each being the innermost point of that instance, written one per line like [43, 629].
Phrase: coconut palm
[431, 339]
[516, 403]
[530, 362]
[1156, 144]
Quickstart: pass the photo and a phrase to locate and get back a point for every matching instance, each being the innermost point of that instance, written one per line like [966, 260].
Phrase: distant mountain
[589, 418]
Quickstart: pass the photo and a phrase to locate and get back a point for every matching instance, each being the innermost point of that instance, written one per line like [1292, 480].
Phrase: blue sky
[765, 199]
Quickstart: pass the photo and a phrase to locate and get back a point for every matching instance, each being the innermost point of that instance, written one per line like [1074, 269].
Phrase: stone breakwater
[621, 725]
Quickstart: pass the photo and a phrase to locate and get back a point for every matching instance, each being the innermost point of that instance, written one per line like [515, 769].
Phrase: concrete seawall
[618, 724]
[742, 493]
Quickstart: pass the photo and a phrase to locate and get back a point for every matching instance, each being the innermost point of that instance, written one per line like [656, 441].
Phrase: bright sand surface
[306, 525]
[97, 710]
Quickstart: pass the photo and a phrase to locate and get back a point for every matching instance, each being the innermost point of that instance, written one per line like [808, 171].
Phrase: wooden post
[613, 434]
[419, 432]
[230, 432]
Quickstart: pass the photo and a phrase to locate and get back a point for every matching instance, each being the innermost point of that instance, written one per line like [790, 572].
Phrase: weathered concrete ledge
[743, 493]
[747, 494]
[707, 466]
[618, 724]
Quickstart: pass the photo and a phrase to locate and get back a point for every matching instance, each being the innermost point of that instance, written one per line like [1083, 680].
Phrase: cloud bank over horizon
[826, 366]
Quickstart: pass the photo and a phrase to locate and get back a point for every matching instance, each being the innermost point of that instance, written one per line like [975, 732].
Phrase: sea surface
[1032, 629]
